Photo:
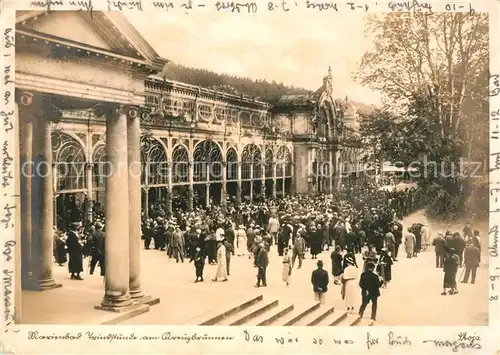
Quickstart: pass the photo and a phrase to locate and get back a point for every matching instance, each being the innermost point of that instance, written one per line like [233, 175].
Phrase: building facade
[99, 127]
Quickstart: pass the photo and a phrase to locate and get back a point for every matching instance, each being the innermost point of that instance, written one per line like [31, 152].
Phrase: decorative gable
[72, 26]
[101, 31]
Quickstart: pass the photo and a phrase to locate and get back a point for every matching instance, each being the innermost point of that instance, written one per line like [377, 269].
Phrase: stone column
[223, 195]
[42, 204]
[191, 185]
[274, 179]
[251, 182]
[169, 192]
[284, 183]
[90, 193]
[207, 186]
[25, 176]
[330, 170]
[134, 203]
[338, 169]
[55, 195]
[263, 180]
[117, 296]
[238, 187]
[146, 202]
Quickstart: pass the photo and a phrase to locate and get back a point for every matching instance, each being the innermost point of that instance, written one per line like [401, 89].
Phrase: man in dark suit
[261, 262]
[439, 244]
[319, 280]
[370, 289]
[97, 249]
[472, 258]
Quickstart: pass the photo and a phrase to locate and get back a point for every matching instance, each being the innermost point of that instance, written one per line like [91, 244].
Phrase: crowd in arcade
[368, 225]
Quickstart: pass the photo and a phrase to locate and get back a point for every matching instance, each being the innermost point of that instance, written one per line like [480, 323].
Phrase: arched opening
[251, 165]
[232, 172]
[180, 177]
[99, 167]
[70, 179]
[207, 173]
[283, 171]
[269, 172]
[154, 171]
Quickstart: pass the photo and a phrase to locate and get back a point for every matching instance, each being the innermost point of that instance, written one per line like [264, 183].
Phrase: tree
[439, 56]
[433, 71]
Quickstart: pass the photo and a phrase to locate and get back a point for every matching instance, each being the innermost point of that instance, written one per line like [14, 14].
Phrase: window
[205, 112]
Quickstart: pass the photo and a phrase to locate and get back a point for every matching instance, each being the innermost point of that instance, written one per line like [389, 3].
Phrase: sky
[295, 48]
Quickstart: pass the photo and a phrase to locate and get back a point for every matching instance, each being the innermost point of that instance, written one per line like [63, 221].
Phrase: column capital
[38, 105]
[114, 110]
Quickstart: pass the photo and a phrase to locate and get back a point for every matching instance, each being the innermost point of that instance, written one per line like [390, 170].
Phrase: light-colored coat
[221, 263]
[351, 290]
[274, 225]
[426, 236]
[410, 243]
[241, 240]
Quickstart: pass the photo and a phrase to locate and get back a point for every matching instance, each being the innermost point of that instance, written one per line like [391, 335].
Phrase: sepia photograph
[297, 169]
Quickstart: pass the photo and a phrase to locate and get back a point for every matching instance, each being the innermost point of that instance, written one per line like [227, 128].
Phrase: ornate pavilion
[93, 108]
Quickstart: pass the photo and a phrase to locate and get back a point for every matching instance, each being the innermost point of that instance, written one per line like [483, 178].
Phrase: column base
[42, 285]
[116, 304]
[149, 300]
[120, 309]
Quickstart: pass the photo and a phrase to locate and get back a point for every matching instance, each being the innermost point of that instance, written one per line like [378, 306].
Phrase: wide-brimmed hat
[75, 224]
[350, 260]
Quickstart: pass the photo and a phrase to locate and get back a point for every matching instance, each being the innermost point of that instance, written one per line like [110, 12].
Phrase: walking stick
[462, 274]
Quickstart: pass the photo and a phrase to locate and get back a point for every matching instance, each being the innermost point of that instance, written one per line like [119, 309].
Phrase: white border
[298, 340]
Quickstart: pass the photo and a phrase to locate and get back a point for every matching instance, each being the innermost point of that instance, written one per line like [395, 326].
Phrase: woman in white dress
[221, 274]
[241, 240]
[349, 284]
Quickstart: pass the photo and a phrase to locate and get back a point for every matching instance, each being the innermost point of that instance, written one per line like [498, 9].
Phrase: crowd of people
[368, 224]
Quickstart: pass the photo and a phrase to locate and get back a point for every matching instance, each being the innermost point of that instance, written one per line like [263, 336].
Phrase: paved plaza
[412, 298]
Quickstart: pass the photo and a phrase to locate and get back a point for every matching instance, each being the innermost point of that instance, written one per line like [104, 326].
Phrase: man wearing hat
[97, 249]
[199, 263]
[261, 261]
[75, 246]
[320, 280]
[370, 284]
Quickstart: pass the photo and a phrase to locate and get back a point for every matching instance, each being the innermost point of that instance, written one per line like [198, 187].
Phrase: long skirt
[75, 264]
[350, 290]
[450, 279]
[221, 271]
[285, 274]
[242, 247]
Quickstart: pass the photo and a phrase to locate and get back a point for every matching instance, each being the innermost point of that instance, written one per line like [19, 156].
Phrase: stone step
[249, 313]
[218, 315]
[298, 312]
[315, 317]
[349, 320]
[274, 314]
[332, 319]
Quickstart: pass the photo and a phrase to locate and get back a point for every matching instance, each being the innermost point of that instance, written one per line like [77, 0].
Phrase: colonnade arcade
[182, 172]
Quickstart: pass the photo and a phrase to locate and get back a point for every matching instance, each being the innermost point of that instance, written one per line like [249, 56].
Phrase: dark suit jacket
[262, 258]
[472, 256]
[370, 283]
[319, 279]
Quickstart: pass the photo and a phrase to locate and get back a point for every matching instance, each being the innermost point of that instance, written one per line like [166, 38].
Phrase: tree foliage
[433, 71]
